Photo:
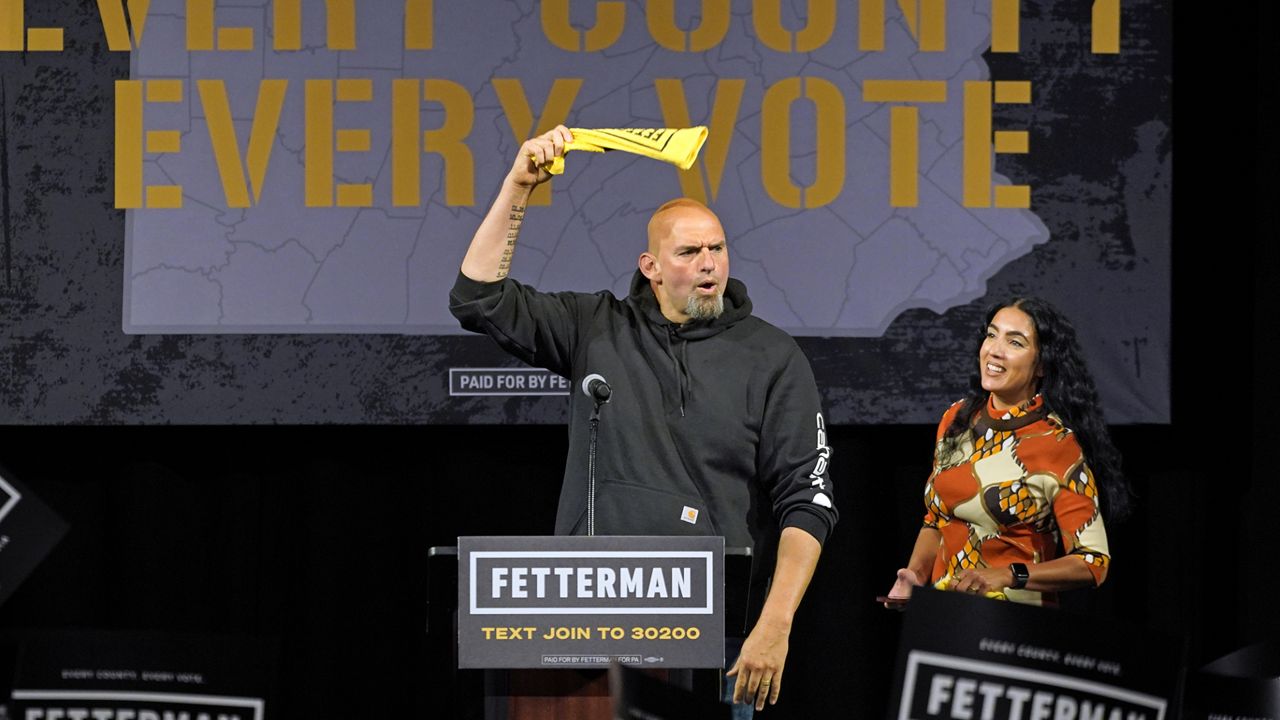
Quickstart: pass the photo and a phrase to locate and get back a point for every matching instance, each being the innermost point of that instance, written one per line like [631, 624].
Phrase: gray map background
[1099, 168]
[847, 268]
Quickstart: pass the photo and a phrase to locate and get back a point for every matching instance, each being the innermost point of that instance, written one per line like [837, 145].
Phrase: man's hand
[759, 666]
[527, 171]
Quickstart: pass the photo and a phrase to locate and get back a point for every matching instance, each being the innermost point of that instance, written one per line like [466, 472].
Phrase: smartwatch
[1020, 575]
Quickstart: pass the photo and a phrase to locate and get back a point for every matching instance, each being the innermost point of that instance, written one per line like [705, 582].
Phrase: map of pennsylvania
[845, 267]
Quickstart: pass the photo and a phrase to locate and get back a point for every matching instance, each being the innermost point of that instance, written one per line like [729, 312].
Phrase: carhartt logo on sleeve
[817, 475]
[690, 515]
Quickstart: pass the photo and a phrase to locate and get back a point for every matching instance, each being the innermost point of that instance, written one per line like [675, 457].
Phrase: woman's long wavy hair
[1068, 391]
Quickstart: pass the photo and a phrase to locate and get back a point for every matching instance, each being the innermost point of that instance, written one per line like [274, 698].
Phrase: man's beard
[704, 308]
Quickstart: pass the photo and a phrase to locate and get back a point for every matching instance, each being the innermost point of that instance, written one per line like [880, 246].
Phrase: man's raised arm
[488, 258]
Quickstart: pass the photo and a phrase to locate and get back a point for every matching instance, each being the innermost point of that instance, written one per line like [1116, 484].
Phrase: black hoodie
[719, 416]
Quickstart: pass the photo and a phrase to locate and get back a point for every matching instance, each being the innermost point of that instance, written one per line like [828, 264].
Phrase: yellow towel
[678, 146]
[945, 582]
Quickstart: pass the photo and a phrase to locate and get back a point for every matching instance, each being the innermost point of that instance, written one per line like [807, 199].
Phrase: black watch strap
[1020, 575]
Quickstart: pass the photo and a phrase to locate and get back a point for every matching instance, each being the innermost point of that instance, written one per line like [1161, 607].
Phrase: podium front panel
[581, 602]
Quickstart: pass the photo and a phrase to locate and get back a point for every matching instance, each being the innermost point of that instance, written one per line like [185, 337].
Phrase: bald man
[714, 426]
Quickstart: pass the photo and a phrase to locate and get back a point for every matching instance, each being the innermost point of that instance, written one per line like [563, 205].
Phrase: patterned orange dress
[1015, 488]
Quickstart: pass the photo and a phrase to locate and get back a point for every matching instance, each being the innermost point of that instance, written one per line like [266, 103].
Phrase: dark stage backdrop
[234, 229]
[318, 537]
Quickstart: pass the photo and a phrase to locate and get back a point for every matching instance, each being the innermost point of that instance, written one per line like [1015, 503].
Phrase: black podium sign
[1244, 685]
[28, 531]
[117, 675]
[578, 602]
[963, 658]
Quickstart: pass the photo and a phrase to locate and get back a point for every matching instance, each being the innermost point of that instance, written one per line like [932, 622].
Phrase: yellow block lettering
[904, 131]
[448, 141]
[724, 116]
[926, 20]
[661, 17]
[767, 18]
[201, 30]
[775, 156]
[13, 31]
[419, 24]
[610, 17]
[980, 143]
[117, 29]
[226, 149]
[1004, 26]
[408, 142]
[321, 141]
[1106, 27]
[340, 24]
[130, 139]
[775, 141]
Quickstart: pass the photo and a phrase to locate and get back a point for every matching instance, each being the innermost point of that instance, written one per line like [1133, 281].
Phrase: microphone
[595, 387]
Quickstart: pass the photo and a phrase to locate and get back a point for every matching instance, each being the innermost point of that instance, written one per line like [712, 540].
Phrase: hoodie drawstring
[681, 364]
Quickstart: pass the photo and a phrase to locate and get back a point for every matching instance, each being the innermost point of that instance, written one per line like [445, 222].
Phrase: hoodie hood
[675, 337]
[737, 305]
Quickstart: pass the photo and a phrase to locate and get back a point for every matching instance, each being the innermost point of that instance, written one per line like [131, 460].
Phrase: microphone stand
[591, 469]
[595, 387]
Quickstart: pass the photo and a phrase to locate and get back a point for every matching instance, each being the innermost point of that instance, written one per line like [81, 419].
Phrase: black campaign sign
[99, 675]
[965, 658]
[28, 531]
[590, 601]
[1243, 685]
[944, 686]
[105, 705]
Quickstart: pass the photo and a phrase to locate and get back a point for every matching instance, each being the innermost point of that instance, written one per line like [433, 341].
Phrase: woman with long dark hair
[1012, 507]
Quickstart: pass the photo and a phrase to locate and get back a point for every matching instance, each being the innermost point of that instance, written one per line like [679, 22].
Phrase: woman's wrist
[1020, 575]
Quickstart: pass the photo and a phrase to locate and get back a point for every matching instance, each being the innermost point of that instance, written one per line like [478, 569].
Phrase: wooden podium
[501, 693]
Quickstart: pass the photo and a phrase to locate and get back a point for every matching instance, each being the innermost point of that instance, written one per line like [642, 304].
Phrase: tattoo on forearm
[513, 230]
